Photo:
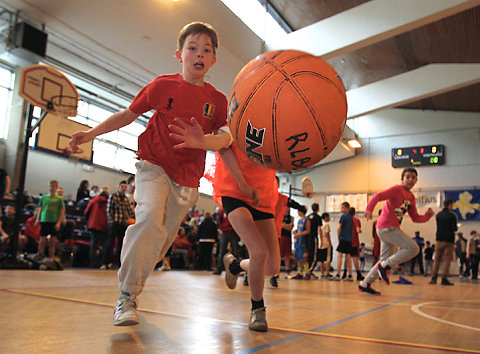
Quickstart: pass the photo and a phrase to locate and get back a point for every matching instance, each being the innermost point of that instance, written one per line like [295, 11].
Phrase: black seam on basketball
[341, 91]
[304, 99]
[248, 99]
[274, 124]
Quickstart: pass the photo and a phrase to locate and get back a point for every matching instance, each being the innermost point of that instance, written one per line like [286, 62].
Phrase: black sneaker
[384, 273]
[245, 281]
[344, 275]
[313, 276]
[446, 282]
[298, 277]
[360, 277]
[433, 280]
[369, 290]
[273, 281]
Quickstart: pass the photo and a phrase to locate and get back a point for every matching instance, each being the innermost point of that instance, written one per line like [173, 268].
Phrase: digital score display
[432, 155]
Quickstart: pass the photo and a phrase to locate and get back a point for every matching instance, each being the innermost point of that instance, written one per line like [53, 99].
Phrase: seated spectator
[183, 247]
[82, 191]
[32, 233]
[207, 236]
[97, 223]
[94, 192]
[7, 227]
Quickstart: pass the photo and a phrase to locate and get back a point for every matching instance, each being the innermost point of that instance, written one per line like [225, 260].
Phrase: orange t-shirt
[280, 212]
[258, 177]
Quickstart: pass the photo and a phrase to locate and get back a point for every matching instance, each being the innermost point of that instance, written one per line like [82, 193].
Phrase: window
[7, 78]
[254, 15]
[205, 186]
[115, 149]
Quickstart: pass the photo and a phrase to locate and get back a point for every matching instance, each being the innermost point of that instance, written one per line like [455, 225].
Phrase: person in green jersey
[51, 212]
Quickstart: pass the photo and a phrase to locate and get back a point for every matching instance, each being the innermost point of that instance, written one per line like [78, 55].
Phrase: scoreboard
[431, 155]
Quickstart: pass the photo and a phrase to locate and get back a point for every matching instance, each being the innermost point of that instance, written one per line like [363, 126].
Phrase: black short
[354, 252]
[47, 228]
[344, 247]
[230, 204]
[323, 255]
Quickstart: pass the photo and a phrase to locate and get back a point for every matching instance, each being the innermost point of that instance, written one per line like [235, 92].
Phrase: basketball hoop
[63, 105]
[48, 88]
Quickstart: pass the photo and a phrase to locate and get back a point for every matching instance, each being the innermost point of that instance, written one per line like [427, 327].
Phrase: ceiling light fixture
[354, 143]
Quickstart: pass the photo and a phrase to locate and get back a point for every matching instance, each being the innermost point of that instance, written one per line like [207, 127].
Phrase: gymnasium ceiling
[454, 39]
[126, 43]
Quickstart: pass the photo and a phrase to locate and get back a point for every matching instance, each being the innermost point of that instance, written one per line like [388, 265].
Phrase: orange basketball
[287, 109]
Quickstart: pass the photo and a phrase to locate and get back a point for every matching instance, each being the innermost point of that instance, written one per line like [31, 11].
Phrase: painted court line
[297, 333]
[416, 309]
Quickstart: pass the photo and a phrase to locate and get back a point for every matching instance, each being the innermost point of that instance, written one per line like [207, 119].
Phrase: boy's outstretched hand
[79, 138]
[190, 136]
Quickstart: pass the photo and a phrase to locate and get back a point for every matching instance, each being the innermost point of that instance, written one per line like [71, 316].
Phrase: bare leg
[261, 240]
[41, 245]
[339, 263]
[355, 263]
[52, 243]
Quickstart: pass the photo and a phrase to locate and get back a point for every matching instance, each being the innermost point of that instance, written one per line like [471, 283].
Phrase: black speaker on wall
[29, 38]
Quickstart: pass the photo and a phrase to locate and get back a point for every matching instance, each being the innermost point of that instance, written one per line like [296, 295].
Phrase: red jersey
[31, 230]
[223, 222]
[258, 177]
[356, 225]
[172, 97]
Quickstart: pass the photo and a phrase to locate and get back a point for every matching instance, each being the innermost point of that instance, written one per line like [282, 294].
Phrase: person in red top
[97, 223]
[168, 174]
[357, 229]
[32, 233]
[399, 200]
[227, 236]
[284, 203]
[182, 246]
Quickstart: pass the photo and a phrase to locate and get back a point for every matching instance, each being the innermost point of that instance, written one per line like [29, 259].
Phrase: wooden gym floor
[193, 312]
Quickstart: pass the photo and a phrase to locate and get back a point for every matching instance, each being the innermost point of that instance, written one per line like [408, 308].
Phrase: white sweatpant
[161, 206]
[391, 237]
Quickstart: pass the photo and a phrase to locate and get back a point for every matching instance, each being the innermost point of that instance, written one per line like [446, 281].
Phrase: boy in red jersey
[167, 175]
[399, 200]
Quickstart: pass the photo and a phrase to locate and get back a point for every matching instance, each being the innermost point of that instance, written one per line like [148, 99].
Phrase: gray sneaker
[258, 320]
[230, 278]
[125, 312]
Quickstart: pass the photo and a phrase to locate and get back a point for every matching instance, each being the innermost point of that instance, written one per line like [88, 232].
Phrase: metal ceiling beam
[427, 81]
[367, 24]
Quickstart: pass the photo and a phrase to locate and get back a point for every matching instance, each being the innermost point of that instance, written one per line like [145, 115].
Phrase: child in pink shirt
[399, 200]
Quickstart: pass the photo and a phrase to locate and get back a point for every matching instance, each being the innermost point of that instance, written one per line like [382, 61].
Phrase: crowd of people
[204, 238]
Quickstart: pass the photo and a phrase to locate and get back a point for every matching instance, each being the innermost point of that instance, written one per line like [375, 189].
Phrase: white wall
[371, 170]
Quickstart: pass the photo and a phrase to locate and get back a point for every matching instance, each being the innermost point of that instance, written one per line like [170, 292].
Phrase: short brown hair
[346, 205]
[54, 182]
[409, 169]
[198, 28]
[447, 202]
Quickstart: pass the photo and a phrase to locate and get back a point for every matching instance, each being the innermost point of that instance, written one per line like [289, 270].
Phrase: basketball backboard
[55, 133]
[48, 88]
